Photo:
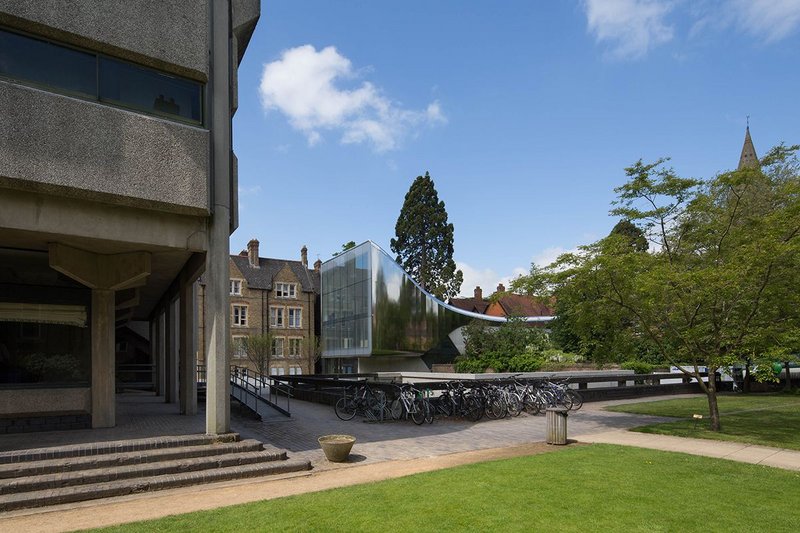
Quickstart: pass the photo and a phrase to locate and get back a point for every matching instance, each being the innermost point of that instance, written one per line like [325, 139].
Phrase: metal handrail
[263, 387]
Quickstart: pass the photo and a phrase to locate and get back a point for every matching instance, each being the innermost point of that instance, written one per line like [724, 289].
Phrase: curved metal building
[375, 317]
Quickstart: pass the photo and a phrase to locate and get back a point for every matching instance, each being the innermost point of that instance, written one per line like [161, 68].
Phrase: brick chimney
[252, 253]
[317, 265]
[501, 287]
[304, 256]
[478, 293]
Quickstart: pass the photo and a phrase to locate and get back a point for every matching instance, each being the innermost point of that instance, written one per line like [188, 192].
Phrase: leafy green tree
[424, 240]
[721, 282]
[346, 246]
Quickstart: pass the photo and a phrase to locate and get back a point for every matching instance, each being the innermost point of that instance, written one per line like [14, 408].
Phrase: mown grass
[764, 419]
[586, 488]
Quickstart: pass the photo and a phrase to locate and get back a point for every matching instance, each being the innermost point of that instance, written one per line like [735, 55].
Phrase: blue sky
[524, 112]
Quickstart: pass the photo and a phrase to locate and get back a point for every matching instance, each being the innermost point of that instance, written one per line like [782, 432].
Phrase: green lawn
[765, 419]
[582, 488]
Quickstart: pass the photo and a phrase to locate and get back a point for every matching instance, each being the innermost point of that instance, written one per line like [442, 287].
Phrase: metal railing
[258, 389]
[255, 390]
[136, 376]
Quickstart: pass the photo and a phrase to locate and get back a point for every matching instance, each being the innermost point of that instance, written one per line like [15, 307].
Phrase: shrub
[524, 363]
[470, 366]
[557, 356]
[638, 367]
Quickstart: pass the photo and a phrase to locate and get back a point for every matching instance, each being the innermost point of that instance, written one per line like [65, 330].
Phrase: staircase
[68, 474]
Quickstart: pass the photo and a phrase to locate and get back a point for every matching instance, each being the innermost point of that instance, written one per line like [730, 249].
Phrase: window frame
[278, 310]
[105, 100]
[240, 352]
[284, 289]
[240, 323]
[233, 283]
[298, 317]
[299, 342]
[275, 343]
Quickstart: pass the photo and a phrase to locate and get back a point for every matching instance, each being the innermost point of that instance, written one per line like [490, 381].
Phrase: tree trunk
[746, 387]
[713, 408]
[788, 386]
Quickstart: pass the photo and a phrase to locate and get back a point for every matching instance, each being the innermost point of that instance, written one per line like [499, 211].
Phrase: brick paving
[142, 415]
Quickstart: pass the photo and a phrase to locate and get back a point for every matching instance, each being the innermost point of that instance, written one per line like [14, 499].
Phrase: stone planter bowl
[337, 447]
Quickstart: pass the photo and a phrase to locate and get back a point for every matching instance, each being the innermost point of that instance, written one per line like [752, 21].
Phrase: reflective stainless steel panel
[372, 307]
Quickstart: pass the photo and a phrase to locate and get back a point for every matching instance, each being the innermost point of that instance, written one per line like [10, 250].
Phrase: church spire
[748, 159]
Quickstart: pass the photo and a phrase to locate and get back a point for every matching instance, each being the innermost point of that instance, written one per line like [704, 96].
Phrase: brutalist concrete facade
[129, 206]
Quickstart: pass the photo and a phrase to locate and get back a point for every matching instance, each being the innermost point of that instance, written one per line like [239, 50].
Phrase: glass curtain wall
[346, 304]
[372, 307]
[44, 329]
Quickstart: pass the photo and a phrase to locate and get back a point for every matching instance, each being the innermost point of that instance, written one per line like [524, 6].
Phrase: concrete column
[103, 358]
[188, 353]
[104, 274]
[154, 351]
[161, 366]
[170, 355]
[218, 411]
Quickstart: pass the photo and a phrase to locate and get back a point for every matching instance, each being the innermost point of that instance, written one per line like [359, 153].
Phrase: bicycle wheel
[564, 400]
[418, 412]
[396, 409]
[577, 399]
[445, 407]
[473, 409]
[495, 408]
[533, 405]
[429, 411]
[345, 408]
[514, 403]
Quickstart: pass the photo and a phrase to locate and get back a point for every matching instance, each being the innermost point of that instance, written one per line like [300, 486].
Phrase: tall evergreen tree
[634, 236]
[424, 243]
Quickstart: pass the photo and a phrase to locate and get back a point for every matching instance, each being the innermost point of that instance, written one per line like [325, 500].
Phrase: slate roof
[261, 278]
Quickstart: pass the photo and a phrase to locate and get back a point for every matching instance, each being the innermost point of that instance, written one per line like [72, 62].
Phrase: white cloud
[306, 86]
[548, 255]
[487, 279]
[770, 19]
[631, 27]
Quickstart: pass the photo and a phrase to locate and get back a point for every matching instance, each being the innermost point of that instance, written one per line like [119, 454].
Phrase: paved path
[734, 451]
[382, 451]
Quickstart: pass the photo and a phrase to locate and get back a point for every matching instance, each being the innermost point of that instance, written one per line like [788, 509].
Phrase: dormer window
[236, 287]
[286, 290]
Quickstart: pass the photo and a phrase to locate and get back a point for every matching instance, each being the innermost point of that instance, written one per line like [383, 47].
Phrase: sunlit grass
[764, 419]
[585, 488]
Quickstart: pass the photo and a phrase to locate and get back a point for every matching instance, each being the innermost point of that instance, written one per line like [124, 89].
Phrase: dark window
[120, 83]
[48, 64]
[148, 90]
[43, 353]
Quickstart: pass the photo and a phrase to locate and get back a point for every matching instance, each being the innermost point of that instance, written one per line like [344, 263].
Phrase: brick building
[277, 298]
[503, 304]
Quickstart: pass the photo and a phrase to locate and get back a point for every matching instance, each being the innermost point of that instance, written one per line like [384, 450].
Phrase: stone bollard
[556, 425]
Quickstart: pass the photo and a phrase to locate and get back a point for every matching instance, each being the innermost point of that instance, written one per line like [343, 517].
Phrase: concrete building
[276, 299]
[117, 190]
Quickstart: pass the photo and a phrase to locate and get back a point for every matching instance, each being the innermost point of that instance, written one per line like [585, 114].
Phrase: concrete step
[102, 475]
[10, 502]
[74, 464]
[111, 447]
